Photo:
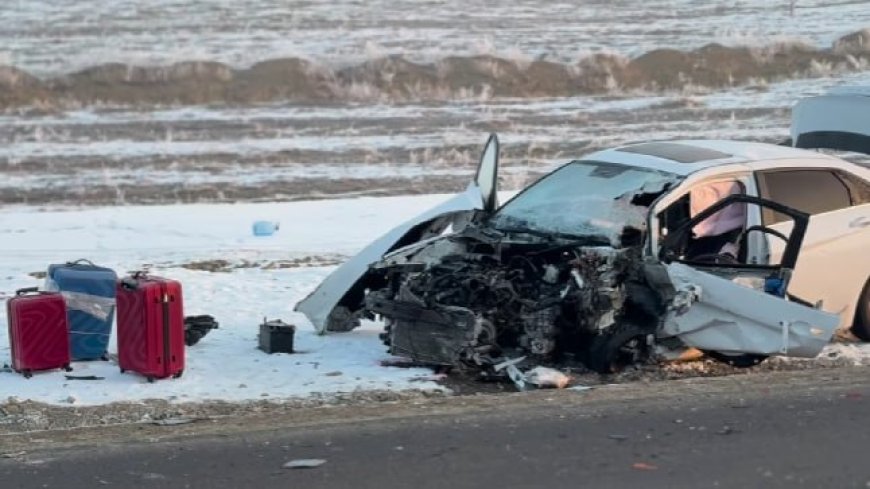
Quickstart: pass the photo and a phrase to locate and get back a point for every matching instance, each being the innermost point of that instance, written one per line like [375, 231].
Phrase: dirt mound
[854, 43]
[395, 78]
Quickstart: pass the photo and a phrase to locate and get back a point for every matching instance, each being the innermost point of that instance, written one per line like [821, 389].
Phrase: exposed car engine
[471, 299]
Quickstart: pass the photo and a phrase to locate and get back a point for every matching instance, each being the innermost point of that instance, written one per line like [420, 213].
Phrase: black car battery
[276, 336]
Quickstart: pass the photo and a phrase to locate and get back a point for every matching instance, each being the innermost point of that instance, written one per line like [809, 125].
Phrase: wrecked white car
[644, 250]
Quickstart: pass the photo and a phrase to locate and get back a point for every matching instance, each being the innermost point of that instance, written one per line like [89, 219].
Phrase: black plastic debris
[196, 327]
[276, 336]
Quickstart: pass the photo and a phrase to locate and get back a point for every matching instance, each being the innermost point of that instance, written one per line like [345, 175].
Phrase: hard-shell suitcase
[38, 331]
[89, 291]
[150, 326]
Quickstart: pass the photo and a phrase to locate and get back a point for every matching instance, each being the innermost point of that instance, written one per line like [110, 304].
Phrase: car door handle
[861, 222]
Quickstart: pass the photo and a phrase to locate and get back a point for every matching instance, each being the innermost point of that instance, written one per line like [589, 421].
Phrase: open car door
[735, 309]
[336, 303]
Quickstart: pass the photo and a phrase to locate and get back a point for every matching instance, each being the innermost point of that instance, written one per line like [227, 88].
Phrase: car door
[741, 308]
[833, 265]
[335, 303]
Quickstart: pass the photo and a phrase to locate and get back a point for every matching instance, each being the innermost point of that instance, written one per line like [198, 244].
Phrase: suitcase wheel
[104, 358]
[122, 370]
[178, 375]
[67, 368]
[27, 374]
[150, 380]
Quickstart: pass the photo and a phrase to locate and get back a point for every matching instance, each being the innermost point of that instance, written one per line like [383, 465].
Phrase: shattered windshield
[584, 198]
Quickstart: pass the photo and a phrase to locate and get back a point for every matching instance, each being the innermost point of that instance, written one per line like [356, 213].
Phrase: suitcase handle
[80, 261]
[132, 282]
[26, 290]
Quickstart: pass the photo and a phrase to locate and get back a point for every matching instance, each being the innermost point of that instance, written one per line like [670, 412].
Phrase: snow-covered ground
[225, 365]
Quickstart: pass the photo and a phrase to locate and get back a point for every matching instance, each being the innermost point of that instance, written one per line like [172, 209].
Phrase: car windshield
[583, 198]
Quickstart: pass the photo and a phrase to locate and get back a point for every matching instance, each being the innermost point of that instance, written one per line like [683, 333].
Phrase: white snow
[226, 364]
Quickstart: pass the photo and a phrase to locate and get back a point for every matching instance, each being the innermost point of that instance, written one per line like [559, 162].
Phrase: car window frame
[790, 256]
[763, 192]
[736, 171]
[851, 179]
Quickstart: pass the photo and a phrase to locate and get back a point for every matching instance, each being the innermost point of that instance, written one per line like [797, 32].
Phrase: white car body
[834, 263]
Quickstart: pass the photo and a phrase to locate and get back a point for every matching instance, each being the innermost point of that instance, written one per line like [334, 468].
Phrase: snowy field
[226, 364]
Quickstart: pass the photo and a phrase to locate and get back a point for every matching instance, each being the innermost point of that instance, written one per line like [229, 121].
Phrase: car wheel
[745, 360]
[625, 345]
[342, 320]
[861, 327]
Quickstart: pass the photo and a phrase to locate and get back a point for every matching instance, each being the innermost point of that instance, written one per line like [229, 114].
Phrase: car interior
[715, 238]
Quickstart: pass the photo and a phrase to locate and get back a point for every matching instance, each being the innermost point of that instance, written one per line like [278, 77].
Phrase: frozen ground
[265, 277]
[225, 364]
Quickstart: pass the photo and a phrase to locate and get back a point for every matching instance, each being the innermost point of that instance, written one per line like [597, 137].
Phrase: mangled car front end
[518, 283]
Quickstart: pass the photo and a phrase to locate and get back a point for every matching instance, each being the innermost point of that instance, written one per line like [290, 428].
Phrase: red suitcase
[150, 326]
[38, 331]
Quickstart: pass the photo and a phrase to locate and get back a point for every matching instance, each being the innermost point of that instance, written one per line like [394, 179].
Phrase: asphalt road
[811, 431]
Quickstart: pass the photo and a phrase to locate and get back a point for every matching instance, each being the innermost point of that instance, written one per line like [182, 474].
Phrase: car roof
[684, 157]
[858, 90]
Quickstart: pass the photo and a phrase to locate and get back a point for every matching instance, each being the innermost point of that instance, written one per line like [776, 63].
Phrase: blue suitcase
[89, 291]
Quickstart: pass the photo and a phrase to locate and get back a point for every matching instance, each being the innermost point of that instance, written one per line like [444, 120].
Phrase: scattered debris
[83, 377]
[545, 377]
[535, 378]
[13, 454]
[153, 476]
[264, 228]
[618, 437]
[514, 373]
[726, 430]
[304, 463]
[643, 466]
[196, 327]
[404, 363]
